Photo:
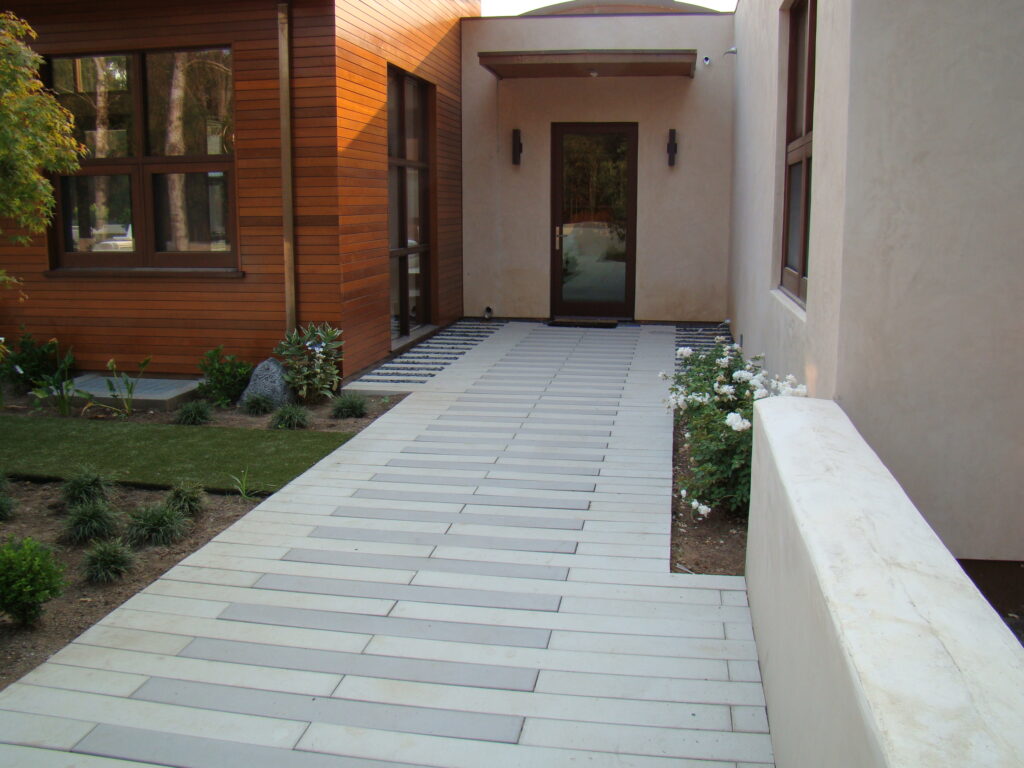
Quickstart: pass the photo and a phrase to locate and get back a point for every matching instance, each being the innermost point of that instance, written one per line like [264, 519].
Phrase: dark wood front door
[593, 219]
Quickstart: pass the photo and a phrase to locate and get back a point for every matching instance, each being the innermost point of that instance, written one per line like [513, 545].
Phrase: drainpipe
[287, 183]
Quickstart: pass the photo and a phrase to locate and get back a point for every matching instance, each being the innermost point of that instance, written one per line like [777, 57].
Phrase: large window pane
[416, 290]
[394, 115]
[189, 103]
[97, 213]
[97, 92]
[191, 211]
[413, 120]
[394, 208]
[794, 216]
[413, 217]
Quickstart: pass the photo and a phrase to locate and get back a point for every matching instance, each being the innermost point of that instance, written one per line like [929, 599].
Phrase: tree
[35, 134]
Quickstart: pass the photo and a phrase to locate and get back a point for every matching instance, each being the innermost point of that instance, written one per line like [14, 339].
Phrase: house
[390, 167]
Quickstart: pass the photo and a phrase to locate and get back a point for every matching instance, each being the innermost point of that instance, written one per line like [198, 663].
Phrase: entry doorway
[593, 212]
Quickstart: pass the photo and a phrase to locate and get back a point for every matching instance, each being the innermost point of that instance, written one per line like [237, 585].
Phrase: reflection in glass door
[593, 219]
[408, 201]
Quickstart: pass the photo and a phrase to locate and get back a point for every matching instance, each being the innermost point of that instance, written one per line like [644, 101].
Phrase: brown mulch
[716, 544]
[38, 513]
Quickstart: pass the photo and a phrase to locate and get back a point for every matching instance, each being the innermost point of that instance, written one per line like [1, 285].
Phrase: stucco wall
[682, 212]
[876, 650]
[916, 267]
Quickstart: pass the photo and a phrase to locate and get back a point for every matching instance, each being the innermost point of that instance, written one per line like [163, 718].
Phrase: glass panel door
[594, 215]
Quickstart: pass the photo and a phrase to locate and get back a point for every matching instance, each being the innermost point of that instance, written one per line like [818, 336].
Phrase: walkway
[478, 580]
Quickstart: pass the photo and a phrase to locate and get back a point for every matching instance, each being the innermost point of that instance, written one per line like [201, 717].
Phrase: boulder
[268, 380]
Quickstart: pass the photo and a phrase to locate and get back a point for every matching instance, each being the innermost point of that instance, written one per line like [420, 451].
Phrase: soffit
[613, 63]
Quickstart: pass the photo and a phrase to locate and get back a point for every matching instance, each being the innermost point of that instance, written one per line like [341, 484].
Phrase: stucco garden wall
[682, 212]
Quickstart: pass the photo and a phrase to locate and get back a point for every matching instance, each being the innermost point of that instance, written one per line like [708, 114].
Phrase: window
[408, 201]
[799, 124]
[154, 187]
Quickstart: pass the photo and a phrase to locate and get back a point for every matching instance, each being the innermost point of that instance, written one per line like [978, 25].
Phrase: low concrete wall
[875, 647]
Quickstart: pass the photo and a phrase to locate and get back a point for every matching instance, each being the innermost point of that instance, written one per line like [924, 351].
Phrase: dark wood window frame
[399, 256]
[799, 134]
[141, 167]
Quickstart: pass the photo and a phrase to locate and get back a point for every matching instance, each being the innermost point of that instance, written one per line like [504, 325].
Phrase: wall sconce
[517, 146]
[672, 147]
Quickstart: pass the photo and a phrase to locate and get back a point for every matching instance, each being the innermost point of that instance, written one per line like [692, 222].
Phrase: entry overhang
[612, 63]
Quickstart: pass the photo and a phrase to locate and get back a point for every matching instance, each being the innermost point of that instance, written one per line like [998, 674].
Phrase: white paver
[495, 547]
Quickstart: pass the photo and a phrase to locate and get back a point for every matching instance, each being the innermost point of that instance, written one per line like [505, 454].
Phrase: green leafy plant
[121, 386]
[90, 520]
[156, 525]
[30, 362]
[311, 358]
[257, 405]
[107, 561]
[291, 417]
[84, 485]
[30, 575]
[713, 395]
[59, 387]
[186, 497]
[225, 377]
[36, 134]
[193, 413]
[242, 485]
[349, 405]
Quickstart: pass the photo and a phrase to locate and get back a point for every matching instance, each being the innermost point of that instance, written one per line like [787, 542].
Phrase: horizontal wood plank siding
[340, 53]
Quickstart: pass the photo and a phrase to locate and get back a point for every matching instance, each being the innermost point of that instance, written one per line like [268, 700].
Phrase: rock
[268, 380]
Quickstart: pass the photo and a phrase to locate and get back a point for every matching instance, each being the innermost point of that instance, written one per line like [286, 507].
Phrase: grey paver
[458, 517]
[195, 752]
[367, 665]
[471, 498]
[454, 540]
[463, 632]
[415, 593]
[540, 485]
[291, 706]
[447, 565]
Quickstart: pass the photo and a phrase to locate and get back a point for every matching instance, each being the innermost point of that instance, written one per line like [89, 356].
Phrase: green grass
[159, 455]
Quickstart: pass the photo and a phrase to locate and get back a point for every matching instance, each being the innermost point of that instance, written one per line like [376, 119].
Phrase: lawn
[159, 455]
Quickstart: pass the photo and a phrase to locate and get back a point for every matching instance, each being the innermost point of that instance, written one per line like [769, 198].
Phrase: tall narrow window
[799, 125]
[153, 190]
[408, 201]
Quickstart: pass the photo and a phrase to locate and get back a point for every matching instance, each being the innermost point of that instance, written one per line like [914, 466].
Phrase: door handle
[558, 237]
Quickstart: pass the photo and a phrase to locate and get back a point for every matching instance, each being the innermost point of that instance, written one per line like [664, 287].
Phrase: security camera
[707, 61]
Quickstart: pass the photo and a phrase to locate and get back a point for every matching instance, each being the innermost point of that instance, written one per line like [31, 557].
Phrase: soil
[39, 513]
[716, 544]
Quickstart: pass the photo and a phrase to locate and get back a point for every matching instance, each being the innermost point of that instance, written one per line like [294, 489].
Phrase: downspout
[287, 183]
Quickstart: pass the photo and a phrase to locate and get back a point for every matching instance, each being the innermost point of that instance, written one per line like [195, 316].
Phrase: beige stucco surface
[682, 212]
[875, 648]
[912, 319]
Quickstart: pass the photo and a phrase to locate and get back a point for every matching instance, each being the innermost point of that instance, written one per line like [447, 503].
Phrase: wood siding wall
[339, 60]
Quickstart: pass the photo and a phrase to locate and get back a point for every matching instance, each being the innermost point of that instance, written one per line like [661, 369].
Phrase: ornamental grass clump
[84, 485]
[186, 497]
[349, 405]
[258, 405]
[89, 521]
[193, 414]
[107, 561]
[713, 396]
[311, 359]
[291, 417]
[156, 525]
[29, 576]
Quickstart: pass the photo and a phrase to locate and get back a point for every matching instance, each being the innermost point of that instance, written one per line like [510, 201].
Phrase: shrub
[107, 561]
[91, 520]
[291, 417]
[348, 405]
[156, 525]
[193, 413]
[6, 507]
[29, 576]
[713, 395]
[257, 405]
[311, 357]
[30, 362]
[186, 497]
[225, 377]
[84, 485]
[59, 386]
